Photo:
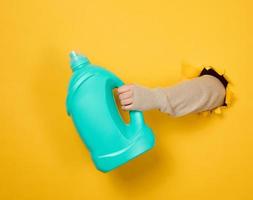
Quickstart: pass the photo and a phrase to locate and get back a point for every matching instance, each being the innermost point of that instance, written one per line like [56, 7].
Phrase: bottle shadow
[143, 173]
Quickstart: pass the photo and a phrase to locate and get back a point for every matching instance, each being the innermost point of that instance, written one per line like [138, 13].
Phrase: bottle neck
[78, 61]
[80, 66]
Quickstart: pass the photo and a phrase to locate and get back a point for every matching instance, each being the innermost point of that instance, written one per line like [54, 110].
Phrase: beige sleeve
[190, 96]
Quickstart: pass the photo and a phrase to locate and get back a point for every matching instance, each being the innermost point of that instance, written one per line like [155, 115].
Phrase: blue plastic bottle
[92, 107]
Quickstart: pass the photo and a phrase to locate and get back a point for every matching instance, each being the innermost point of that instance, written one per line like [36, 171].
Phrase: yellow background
[145, 42]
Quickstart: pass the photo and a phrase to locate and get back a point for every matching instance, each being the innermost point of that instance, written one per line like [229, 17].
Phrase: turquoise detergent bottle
[92, 107]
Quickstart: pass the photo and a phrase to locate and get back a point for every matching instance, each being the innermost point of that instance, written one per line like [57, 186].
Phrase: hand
[136, 97]
[126, 97]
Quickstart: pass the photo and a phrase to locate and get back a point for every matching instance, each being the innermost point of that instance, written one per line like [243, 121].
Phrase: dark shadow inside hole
[222, 79]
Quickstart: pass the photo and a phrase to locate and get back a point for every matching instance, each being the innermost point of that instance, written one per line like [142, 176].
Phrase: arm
[190, 96]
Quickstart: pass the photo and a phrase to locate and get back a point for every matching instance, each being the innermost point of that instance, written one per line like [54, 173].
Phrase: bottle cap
[77, 60]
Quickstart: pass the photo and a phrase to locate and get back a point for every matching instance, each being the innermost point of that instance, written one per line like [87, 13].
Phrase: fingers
[125, 88]
[126, 96]
[128, 107]
[126, 101]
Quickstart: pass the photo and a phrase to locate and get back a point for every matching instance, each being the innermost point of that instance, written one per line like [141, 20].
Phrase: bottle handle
[136, 117]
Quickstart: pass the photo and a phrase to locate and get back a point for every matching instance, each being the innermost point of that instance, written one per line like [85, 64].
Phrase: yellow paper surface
[144, 42]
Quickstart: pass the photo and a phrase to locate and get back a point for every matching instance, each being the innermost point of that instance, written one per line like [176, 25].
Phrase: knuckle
[121, 96]
[130, 107]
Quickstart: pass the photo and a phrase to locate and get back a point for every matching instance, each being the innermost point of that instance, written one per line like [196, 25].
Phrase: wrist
[161, 100]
